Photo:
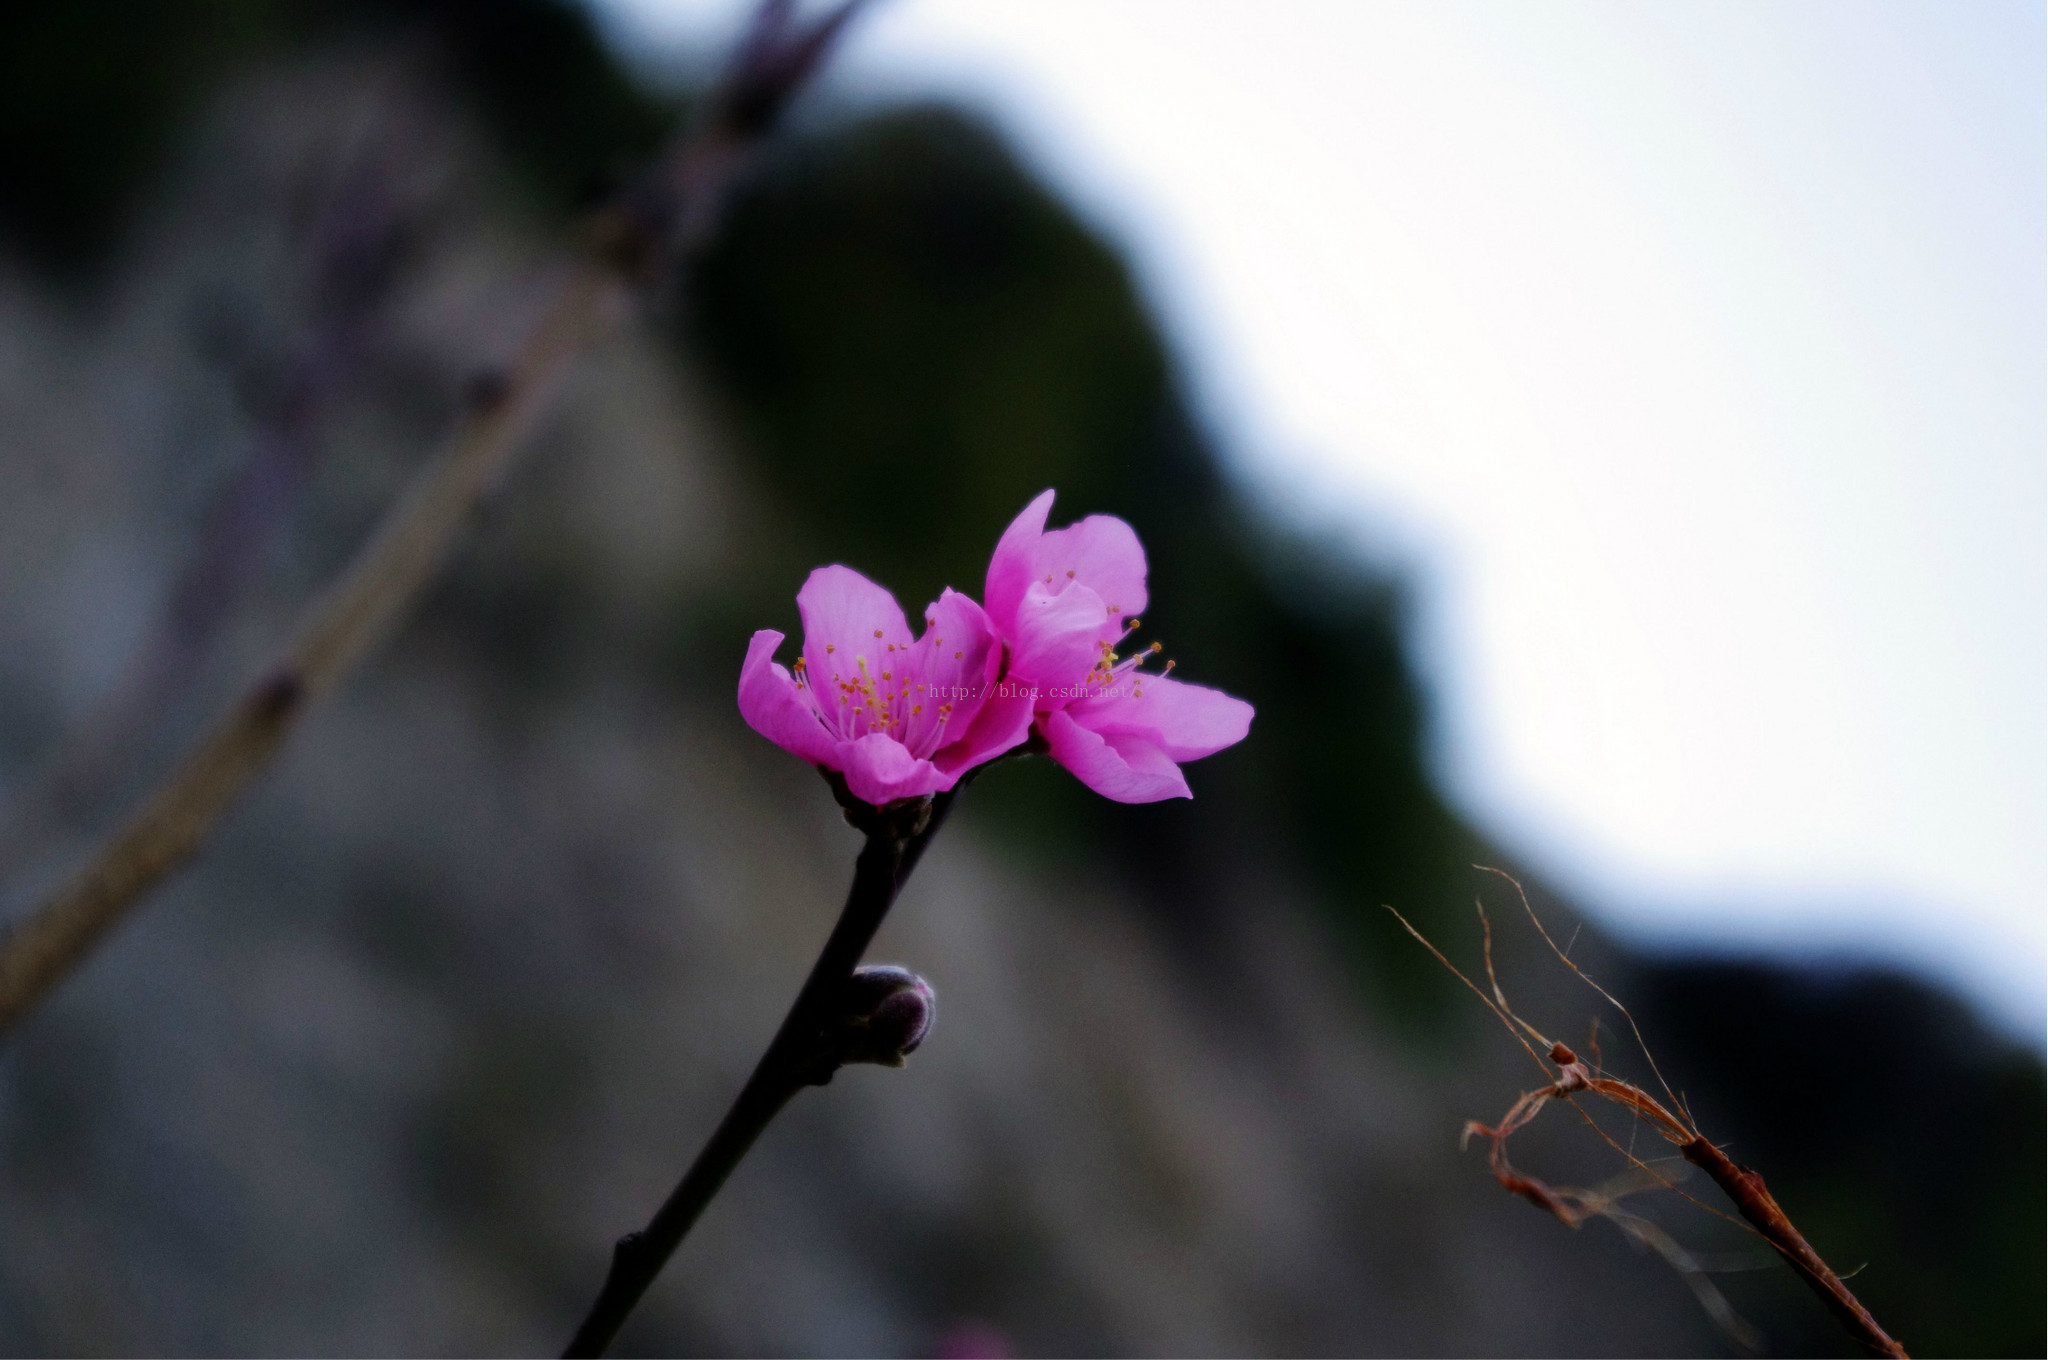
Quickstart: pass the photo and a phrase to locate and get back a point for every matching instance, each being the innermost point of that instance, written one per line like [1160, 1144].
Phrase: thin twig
[1605, 1202]
[1744, 1187]
[630, 243]
[800, 1055]
[1513, 1023]
[1565, 958]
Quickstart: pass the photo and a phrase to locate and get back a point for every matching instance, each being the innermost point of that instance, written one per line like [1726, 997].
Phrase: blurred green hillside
[913, 337]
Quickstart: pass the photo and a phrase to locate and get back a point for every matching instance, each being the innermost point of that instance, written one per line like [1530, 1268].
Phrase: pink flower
[1060, 600]
[898, 718]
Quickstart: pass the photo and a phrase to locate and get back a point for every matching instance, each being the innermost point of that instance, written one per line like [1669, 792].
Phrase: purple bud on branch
[888, 1011]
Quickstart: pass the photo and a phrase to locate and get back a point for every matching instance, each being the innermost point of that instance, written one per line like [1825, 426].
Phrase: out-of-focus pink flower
[899, 718]
[1062, 601]
[972, 1339]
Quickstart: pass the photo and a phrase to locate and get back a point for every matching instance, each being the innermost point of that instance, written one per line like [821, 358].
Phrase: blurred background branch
[173, 821]
[669, 210]
[356, 251]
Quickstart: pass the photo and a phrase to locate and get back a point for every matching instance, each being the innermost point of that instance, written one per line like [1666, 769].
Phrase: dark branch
[806, 1050]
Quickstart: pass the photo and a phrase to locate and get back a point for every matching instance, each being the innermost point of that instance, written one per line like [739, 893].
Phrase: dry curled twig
[628, 244]
[1673, 1123]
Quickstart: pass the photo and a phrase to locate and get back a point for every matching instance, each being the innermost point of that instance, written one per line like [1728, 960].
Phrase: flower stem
[800, 1055]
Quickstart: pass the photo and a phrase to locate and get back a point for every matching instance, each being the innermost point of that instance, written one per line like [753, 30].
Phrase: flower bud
[888, 1012]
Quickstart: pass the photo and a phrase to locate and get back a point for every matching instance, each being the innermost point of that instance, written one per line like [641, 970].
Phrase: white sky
[1692, 358]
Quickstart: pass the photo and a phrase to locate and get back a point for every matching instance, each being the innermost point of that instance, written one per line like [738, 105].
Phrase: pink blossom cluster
[903, 717]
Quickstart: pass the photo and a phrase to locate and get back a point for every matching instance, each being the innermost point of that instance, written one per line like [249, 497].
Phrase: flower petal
[940, 686]
[1056, 640]
[879, 770]
[1100, 552]
[1010, 570]
[1123, 766]
[1003, 723]
[853, 631]
[1185, 721]
[773, 705]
